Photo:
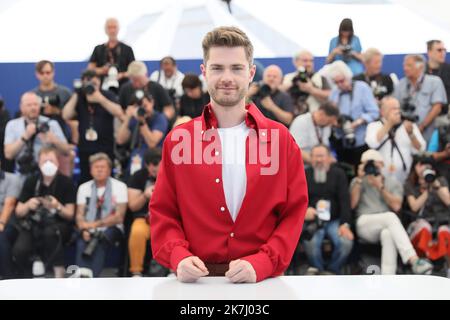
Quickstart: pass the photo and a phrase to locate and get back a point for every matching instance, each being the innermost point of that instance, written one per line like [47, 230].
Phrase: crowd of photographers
[79, 166]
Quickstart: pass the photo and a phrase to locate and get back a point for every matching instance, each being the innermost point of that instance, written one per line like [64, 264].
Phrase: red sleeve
[169, 244]
[275, 255]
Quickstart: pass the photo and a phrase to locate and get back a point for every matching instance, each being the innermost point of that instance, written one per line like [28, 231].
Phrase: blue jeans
[341, 248]
[97, 260]
[7, 238]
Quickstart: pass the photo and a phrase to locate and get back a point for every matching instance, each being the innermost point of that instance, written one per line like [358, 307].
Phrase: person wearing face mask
[328, 214]
[45, 212]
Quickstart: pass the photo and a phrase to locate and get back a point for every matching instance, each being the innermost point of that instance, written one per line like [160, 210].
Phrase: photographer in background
[193, 100]
[110, 60]
[10, 186]
[381, 84]
[144, 126]
[428, 198]
[140, 191]
[420, 94]
[314, 128]
[101, 206]
[45, 214]
[437, 66]
[346, 47]
[95, 110]
[377, 198]
[396, 138]
[53, 95]
[307, 89]
[273, 103]
[328, 213]
[25, 136]
[357, 107]
[170, 78]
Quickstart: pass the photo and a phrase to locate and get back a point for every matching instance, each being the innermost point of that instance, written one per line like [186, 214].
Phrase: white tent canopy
[69, 30]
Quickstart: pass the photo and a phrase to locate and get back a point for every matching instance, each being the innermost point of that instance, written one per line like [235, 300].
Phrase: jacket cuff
[262, 265]
[178, 253]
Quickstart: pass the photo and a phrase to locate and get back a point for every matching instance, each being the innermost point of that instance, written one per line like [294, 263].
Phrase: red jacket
[188, 211]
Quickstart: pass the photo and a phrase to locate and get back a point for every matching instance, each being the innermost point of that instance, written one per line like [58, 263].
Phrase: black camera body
[301, 76]
[444, 135]
[264, 90]
[345, 122]
[371, 169]
[96, 237]
[408, 111]
[84, 88]
[52, 100]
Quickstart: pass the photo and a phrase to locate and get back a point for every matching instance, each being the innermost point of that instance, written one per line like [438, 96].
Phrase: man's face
[272, 77]
[323, 120]
[411, 69]
[112, 29]
[153, 170]
[306, 61]
[139, 82]
[46, 74]
[437, 52]
[227, 74]
[148, 105]
[49, 156]
[168, 68]
[100, 170]
[391, 110]
[373, 66]
[30, 106]
[194, 93]
[342, 83]
[320, 159]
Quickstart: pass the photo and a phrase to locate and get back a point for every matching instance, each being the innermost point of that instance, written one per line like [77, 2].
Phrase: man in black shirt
[95, 111]
[437, 66]
[193, 100]
[113, 53]
[137, 72]
[140, 190]
[381, 84]
[45, 212]
[328, 213]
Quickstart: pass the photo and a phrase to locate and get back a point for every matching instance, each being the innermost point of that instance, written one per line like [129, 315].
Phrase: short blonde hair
[137, 68]
[370, 53]
[98, 157]
[227, 37]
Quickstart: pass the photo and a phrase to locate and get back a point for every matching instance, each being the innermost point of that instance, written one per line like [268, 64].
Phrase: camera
[444, 135]
[429, 175]
[345, 122]
[264, 90]
[43, 127]
[52, 100]
[408, 111]
[346, 52]
[371, 169]
[96, 237]
[111, 82]
[379, 91]
[139, 96]
[301, 76]
[84, 88]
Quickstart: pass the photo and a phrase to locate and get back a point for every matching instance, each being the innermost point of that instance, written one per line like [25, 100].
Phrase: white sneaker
[137, 275]
[38, 269]
[86, 273]
[422, 266]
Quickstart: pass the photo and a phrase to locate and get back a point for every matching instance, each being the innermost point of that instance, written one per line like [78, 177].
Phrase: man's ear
[252, 72]
[203, 69]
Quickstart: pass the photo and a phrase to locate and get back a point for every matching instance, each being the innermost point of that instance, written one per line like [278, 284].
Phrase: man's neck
[47, 87]
[370, 73]
[228, 117]
[112, 43]
[48, 180]
[432, 64]
[101, 183]
[414, 80]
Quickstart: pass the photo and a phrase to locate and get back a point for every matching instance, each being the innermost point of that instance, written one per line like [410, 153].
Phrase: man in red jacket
[231, 194]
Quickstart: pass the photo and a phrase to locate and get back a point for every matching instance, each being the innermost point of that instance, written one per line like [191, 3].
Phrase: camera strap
[417, 88]
[391, 137]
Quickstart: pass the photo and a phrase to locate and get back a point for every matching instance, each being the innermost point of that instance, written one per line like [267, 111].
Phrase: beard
[320, 175]
[227, 99]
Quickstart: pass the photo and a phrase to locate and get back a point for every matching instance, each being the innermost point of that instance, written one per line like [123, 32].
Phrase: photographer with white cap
[376, 199]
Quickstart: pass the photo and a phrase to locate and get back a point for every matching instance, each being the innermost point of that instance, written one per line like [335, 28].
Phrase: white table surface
[219, 288]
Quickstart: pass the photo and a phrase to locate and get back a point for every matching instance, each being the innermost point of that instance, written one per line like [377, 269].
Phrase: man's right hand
[33, 204]
[130, 112]
[310, 214]
[191, 269]
[361, 172]
[86, 235]
[30, 130]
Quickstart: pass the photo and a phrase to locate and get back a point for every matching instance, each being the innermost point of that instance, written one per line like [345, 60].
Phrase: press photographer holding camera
[436, 65]
[95, 110]
[45, 212]
[110, 60]
[396, 138]
[357, 108]
[140, 191]
[421, 95]
[428, 198]
[143, 127]
[381, 84]
[25, 136]
[101, 206]
[377, 199]
[328, 212]
[273, 103]
[307, 89]
[170, 78]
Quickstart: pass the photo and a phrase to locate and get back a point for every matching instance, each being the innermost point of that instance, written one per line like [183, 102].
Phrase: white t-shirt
[173, 82]
[306, 134]
[234, 176]
[392, 161]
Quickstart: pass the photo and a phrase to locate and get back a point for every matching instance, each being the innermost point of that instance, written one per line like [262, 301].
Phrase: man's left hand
[345, 232]
[95, 97]
[305, 86]
[241, 271]
[267, 103]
